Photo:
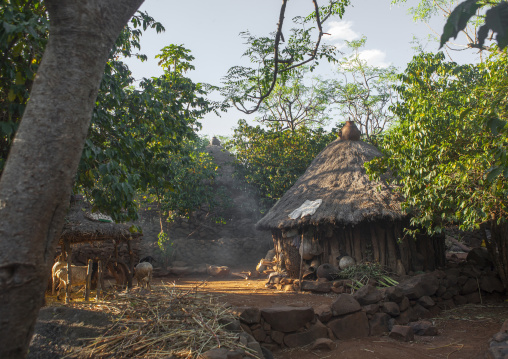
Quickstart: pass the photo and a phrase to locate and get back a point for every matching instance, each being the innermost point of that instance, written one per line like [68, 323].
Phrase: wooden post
[88, 280]
[131, 263]
[69, 273]
[300, 277]
[99, 280]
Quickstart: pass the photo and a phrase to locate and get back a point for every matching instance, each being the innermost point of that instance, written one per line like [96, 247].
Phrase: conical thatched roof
[338, 177]
[80, 226]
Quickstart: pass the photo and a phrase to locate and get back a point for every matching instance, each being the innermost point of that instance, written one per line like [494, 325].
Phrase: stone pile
[370, 311]
[498, 345]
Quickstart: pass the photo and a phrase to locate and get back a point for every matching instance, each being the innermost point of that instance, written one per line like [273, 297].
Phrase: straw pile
[163, 323]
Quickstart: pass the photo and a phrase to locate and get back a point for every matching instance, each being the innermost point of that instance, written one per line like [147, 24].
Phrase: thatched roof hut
[350, 215]
[87, 235]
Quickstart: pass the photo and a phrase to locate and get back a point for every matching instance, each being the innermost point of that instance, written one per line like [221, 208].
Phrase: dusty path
[464, 332]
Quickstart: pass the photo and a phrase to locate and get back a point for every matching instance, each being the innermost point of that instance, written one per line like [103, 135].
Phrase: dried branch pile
[163, 323]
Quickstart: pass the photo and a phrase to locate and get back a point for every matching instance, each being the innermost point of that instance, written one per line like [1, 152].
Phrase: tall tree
[363, 92]
[37, 178]
[448, 153]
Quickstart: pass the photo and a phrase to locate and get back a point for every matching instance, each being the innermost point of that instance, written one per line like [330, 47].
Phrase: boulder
[323, 344]
[394, 294]
[368, 294]
[317, 286]
[351, 326]
[277, 337]
[316, 331]
[424, 328]
[390, 308]
[345, 304]
[379, 324]
[420, 285]
[402, 333]
[249, 315]
[287, 319]
[470, 286]
[371, 308]
[491, 284]
[479, 256]
[426, 301]
[324, 312]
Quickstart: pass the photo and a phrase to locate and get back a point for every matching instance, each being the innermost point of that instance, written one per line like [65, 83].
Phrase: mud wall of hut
[378, 241]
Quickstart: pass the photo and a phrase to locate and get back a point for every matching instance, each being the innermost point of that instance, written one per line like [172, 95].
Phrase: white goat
[78, 276]
[143, 274]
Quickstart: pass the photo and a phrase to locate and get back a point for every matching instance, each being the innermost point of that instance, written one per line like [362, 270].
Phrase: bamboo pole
[88, 280]
[300, 277]
[69, 274]
[99, 280]
[131, 263]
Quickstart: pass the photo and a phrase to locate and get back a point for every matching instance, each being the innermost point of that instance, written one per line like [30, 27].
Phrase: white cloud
[374, 57]
[341, 30]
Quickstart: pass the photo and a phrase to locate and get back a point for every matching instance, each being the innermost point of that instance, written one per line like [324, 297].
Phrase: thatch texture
[338, 177]
[79, 228]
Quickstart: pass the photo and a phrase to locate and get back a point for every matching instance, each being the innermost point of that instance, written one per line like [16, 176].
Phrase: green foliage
[448, 154]
[276, 61]
[496, 20]
[362, 273]
[363, 93]
[23, 36]
[137, 130]
[294, 103]
[272, 160]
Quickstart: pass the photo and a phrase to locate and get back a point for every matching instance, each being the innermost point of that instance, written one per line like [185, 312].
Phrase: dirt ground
[464, 332]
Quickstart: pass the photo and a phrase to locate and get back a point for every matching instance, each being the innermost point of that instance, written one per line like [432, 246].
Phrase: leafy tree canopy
[272, 160]
[447, 154]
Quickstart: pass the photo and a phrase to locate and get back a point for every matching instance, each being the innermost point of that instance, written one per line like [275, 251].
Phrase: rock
[491, 284]
[404, 304]
[402, 333]
[231, 325]
[394, 294]
[257, 348]
[316, 286]
[420, 311]
[426, 301]
[407, 316]
[324, 312]
[249, 315]
[259, 334]
[479, 256]
[216, 353]
[345, 304]
[379, 324]
[323, 344]
[351, 326]
[301, 339]
[420, 285]
[268, 349]
[278, 337]
[368, 294]
[504, 327]
[218, 271]
[390, 308]
[235, 354]
[287, 319]
[470, 286]
[371, 308]
[424, 328]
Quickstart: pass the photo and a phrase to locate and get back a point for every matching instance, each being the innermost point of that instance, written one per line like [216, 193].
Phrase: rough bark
[37, 179]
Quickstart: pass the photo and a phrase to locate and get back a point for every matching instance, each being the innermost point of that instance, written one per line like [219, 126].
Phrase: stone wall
[370, 311]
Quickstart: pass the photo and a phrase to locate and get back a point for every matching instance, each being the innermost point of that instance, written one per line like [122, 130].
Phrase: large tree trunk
[497, 246]
[37, 179]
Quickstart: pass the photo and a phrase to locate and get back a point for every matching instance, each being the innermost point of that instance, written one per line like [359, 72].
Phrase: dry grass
[164, 322]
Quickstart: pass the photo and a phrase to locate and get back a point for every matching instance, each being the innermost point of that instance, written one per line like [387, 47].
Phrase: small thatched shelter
[350, 215]
[87, 235]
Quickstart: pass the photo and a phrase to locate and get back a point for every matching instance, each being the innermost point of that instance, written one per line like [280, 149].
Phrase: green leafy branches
[274, 57]
[271, 160]
[495, 21]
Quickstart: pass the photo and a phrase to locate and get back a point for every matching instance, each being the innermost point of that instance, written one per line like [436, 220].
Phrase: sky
[210, 29]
